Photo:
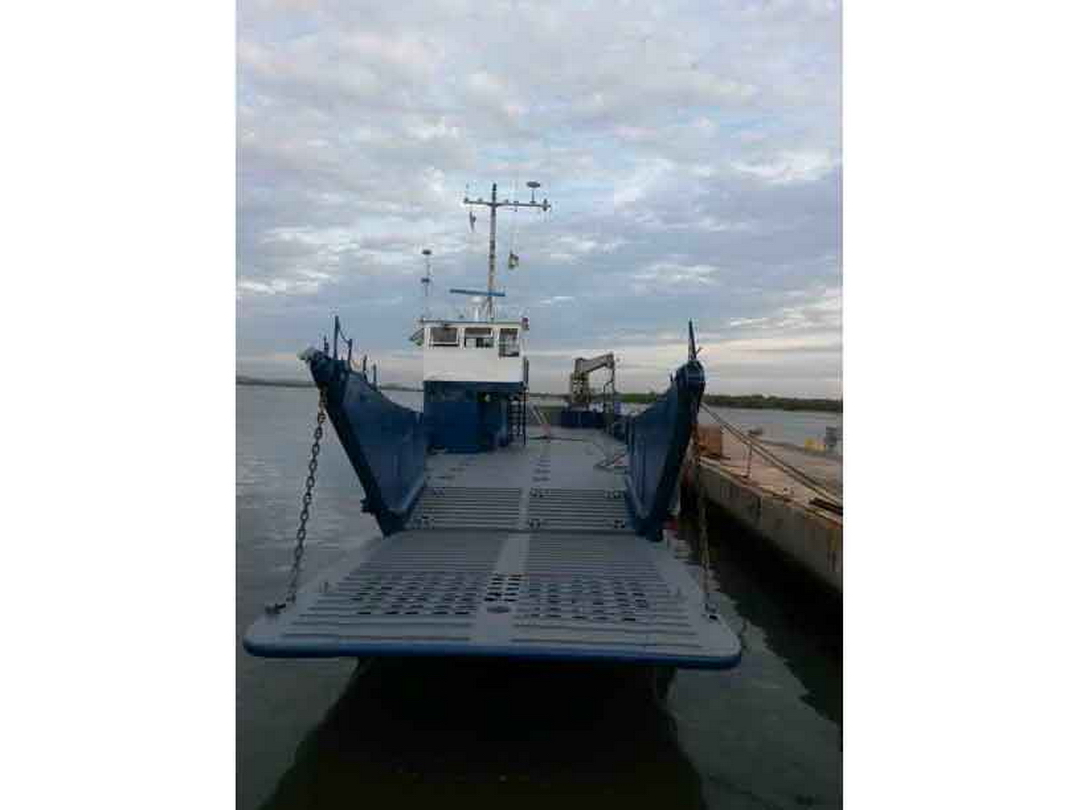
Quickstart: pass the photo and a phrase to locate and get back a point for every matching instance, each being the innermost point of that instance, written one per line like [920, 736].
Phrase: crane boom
[587, 365]
[580, 395]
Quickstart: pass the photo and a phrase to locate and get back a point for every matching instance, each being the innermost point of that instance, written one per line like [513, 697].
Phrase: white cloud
[790, 167]
[555, 299]
[277, 286]
[642, 181]
[673, 278]
[690, 153]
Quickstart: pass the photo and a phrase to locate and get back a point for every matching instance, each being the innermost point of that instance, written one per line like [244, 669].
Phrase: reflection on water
[492, 734]
[798, 621]
[410, 733]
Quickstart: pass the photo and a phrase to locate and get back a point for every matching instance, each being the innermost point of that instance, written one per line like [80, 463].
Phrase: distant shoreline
[275, 383]
[757, 402]
[309, 384]
[752, 402]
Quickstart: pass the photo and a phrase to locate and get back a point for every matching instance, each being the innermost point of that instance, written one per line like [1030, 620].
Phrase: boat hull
[386, 443]
[540, 550]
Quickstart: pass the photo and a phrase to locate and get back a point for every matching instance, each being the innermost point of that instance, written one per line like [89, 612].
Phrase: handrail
[541, 419]
[807, 481]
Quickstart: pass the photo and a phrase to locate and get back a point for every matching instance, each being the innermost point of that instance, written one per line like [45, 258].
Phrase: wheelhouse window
[508, 343]
[444, 336]
[478, 337]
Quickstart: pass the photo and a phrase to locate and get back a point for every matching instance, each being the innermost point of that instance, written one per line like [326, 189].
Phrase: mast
[494, 204]
[491, 256]
[426, 280]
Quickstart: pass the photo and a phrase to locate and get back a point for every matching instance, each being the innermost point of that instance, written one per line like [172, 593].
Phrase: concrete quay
[792, 518]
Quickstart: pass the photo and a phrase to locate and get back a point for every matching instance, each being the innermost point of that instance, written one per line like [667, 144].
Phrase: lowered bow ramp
[545, 565]
[504, 593]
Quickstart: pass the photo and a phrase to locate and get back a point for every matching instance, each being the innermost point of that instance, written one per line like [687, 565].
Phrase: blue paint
[468, 417]
[365, 648]
[657, 440]
[385, 442]
[578, 418]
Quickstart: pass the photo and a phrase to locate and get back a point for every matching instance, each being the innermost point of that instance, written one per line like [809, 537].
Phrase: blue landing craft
[503, 535]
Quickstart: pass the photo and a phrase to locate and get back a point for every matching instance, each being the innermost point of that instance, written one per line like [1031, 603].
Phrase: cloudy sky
[691, 151]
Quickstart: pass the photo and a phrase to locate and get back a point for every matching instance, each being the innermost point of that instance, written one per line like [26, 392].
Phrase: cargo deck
[527, 552]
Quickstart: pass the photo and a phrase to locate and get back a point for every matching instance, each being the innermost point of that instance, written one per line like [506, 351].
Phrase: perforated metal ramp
[503, 593]
[545, 565]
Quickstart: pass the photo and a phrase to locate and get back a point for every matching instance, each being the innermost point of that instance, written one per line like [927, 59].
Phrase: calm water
[793, 427]
[478, 734]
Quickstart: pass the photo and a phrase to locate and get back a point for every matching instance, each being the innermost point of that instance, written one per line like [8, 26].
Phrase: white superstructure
[474, 351]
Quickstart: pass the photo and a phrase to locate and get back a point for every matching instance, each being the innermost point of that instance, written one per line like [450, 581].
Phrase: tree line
[754, 401]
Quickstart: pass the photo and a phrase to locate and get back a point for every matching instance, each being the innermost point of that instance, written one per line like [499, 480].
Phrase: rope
[611, 464]
[807, 481]
[606, 463]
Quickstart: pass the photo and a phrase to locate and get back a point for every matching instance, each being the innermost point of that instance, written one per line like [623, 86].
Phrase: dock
[791, 499]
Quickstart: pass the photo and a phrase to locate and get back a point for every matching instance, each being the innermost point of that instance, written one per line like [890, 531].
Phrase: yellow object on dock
[711, 439]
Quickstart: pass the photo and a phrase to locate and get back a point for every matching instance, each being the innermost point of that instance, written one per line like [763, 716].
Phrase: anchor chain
[702, 521]
[309, 488]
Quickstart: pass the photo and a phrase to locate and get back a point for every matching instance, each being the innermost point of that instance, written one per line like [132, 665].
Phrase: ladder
[519, 416]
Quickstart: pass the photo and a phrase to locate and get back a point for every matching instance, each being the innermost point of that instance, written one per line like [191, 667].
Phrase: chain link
[309, 488]
[702, 521]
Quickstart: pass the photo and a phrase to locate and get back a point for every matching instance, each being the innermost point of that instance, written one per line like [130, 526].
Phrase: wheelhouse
[476, 379]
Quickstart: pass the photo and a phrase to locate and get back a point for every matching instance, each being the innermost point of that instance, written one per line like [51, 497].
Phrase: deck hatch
[468, 507]
[575, 510]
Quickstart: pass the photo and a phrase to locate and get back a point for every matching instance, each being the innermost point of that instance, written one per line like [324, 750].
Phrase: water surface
[421, 733]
